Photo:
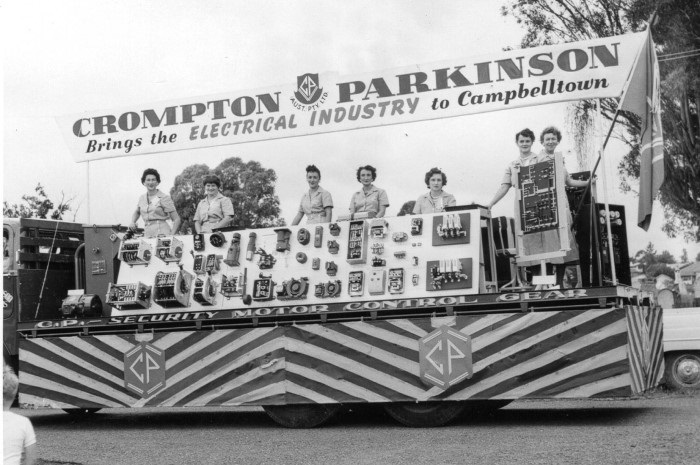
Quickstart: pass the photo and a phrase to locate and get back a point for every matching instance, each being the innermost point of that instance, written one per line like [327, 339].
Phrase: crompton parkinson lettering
[180, 114]
[539, 64]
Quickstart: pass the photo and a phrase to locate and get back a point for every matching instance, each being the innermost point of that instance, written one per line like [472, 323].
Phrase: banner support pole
[87, 164]
[611, 256]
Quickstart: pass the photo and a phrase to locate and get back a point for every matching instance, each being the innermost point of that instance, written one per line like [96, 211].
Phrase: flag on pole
[641, 96]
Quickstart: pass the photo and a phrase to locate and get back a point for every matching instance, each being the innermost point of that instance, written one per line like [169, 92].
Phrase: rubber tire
[301, 415]
[424, 414]
[81, 411]
[690, 362]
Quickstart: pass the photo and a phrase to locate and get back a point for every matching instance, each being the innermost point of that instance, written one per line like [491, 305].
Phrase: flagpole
[611, 255]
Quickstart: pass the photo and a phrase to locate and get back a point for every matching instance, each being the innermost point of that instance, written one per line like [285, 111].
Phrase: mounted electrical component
[232, 285]
[376, 282]
[416, 226]
[316, 264]
[251, 246]
[198, 240]
[234, 251]
[217, 239]
[262, 288]
[198, 266]
[376, 261]
[283, 235]
[334, 229]
[172, 289]
[129, 296]
[451, 228]
[448, 274]
[377, 248]
[293, 289]
[333, 247]
[357, 243]
[318, 237]
[414, 260]
[329, 289]
[303, 236]
[301, 257]
[396, 280]
[266, 260]
[399, 236]
[204, 291]
[169, 249]
[414, 279]
[213, 263]
[84, 305]
[356, 283]
[331, 268]
[400, 254]
[135, 252]
[378, 228]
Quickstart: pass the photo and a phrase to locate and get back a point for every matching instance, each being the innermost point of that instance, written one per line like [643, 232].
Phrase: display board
[411, 257]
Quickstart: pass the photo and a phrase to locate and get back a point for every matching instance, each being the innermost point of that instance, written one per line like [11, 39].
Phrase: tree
[407, 208]
[652, 262]
[684, 256]
[677, 30]
[250, 187]
[646, 257]
[38, 206]
[660, 268]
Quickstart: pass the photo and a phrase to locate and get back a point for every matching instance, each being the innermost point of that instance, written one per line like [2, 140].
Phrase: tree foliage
[677, 30]
[38, 206]
[652, 262]
[249, 185]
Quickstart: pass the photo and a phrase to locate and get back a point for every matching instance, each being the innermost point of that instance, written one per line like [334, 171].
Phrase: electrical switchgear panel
[451, 273]
[204, 291]
[169, 249]
[129, 296]
[135, 252]
[538, 200]
[357, 242]
[172, 289]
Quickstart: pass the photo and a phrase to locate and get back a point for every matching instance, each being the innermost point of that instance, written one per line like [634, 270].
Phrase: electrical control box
[129, 296]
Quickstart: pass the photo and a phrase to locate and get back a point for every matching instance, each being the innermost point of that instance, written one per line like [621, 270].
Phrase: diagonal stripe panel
[343, 385]
[58, 371]
[535, 354]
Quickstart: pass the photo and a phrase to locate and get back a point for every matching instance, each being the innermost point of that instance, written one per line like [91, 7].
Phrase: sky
[68, 57]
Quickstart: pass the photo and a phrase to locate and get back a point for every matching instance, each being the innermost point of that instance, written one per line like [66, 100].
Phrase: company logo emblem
[144, 369]
[309, 94]
[445, 357]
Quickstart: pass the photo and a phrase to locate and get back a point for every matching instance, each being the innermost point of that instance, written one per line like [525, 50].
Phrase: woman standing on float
[317, 203]
[155, 207]
[436, 199]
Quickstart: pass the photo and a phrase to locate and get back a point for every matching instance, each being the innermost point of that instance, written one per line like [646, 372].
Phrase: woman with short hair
[436, 199]
[215, 210]
[317, 203]
[155, 208]
[370, 198]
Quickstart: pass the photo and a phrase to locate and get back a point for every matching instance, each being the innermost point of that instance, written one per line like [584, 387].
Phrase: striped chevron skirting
[568, 354]
[646, 354]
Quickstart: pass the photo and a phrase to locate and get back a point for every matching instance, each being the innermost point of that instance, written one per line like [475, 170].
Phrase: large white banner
[316, 103]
